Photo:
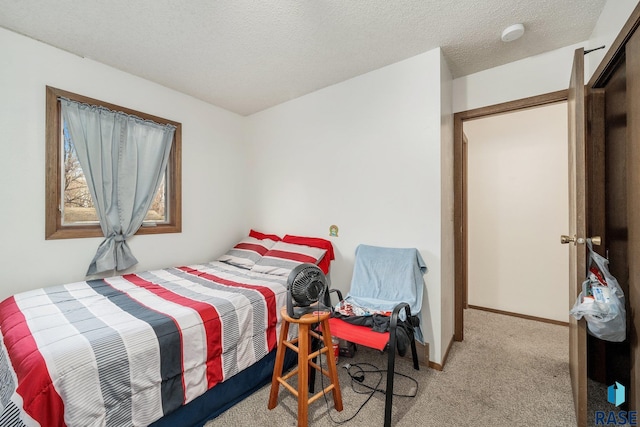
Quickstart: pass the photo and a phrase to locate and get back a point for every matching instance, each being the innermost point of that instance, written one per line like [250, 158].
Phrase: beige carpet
[507, 372]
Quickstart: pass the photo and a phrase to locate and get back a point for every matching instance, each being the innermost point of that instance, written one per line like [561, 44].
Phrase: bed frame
[225, 395]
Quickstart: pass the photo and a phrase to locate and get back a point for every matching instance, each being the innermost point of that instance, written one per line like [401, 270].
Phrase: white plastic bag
[601, 301]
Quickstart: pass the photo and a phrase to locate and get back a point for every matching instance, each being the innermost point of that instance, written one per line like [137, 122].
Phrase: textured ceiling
[248, 55]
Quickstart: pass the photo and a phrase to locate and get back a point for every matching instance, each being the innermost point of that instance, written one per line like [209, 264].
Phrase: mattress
[129, 350]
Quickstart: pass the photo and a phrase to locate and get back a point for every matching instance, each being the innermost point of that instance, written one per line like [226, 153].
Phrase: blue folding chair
[389, 280]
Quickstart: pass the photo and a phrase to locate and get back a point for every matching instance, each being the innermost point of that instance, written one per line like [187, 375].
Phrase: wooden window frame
[54, 229]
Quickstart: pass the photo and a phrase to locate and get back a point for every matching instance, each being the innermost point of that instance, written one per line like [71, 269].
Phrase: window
[69, 206]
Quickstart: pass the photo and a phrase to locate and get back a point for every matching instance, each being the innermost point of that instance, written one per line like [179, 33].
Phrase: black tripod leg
[315, 345]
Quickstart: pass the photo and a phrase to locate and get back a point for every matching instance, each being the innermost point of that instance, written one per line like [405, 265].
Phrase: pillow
[247, 252]
[284, 257]
[315, 242]
[261, 236]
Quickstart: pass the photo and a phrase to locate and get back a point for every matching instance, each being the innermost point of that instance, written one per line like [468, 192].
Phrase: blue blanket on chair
[383, 277]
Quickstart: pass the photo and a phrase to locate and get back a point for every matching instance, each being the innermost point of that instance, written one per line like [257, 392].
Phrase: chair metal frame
[391, 349]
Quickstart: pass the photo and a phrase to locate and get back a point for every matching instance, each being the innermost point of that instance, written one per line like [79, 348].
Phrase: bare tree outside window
[78, 205]
[70, 211]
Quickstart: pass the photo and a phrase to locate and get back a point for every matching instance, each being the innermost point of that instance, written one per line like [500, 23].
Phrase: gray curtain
[123, 159]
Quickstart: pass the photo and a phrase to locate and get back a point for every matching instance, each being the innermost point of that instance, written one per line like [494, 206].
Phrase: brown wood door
[577, 230]
[633, 188]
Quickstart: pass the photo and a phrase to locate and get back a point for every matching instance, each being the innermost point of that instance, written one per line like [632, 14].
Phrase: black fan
[306, 286]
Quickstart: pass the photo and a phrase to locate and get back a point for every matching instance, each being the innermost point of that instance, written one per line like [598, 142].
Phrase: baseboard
[423, 354]
[523, 316]
[438, 366]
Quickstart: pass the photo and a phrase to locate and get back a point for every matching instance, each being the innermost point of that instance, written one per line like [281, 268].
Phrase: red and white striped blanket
[127, 350]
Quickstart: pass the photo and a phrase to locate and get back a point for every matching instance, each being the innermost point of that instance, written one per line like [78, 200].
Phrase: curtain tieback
[118, 238]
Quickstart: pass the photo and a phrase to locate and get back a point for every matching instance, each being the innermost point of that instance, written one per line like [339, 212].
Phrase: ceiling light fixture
[512, 32]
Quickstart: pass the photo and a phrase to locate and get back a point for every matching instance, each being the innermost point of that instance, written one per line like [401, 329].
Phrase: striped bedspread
[127, 350]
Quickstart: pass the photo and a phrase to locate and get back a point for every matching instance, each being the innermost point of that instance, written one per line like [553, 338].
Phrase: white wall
[536, 75]
[447, 296]
[370, 154]
[364, 154]
[517, 210]
[214, 206]
[540, 74]
[613, 17]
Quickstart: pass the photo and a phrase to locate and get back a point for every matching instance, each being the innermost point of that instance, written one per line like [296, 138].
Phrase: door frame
[597, 82]
[460, 191]
[608, 63]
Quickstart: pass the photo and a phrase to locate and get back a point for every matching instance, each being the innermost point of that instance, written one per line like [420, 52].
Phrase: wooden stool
[304, 361]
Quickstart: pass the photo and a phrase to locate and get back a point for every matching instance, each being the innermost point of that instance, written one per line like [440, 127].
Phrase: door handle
[564, 239]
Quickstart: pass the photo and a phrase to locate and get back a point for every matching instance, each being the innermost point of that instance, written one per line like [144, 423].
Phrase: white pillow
[247, 252]
[284, 257]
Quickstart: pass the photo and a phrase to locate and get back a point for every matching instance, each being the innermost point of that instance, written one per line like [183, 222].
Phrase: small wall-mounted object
[333, 231]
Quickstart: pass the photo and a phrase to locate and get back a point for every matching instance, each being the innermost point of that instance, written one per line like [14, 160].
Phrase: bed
[175, 346]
